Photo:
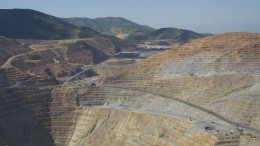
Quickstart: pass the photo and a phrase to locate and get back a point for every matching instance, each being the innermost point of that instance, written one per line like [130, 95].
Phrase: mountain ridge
[31, 24]
[116, 26]
[133, 32]
[179, 35]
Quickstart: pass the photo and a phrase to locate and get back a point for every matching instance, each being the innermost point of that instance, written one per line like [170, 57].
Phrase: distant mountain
[174, 34]
[31, 24]
[116, 26]
[133, 32]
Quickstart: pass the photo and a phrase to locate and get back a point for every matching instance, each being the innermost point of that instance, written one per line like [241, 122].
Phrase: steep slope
[30, 24]
[11, 47]
[115, 26]
[219, 73]
[83, 53]
[204, 93]
[134, 128]
[23, 117]
[230, 49]
[63, 58]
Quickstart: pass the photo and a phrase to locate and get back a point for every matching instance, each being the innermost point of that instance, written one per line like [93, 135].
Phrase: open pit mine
[80, 92]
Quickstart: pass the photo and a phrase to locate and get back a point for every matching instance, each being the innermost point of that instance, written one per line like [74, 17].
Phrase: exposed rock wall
[117, 127]
[203, 93]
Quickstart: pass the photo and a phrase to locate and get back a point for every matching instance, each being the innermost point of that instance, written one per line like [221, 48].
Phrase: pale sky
[204, 16]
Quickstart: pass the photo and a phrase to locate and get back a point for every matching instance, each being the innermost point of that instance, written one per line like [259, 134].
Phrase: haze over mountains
[115, 26]
[68, 85]
[31, 24]
[133, 32]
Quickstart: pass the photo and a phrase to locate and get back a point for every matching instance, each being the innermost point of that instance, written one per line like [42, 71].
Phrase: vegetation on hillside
[135, 33]
[118, 43]
[76, 47]
[30, 24]
[180, 35]
[113, 26]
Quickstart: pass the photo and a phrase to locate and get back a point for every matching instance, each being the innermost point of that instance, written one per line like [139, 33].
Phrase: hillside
[82, 53]
[171, 35]
[116, 26]
[133, 32]
[58, 58]
[11, 47]
[30, 24]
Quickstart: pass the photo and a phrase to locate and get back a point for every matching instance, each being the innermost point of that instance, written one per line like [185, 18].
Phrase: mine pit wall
[46, 57]
[134, 101]
[206, 92]
[56, 114]
[221, 77]
[54, 111]
[51, 117]
[25, 108]
[34, 110]
[97, 126]
[9, 76]
[64, 113]
[37, 116]
[21, 119]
